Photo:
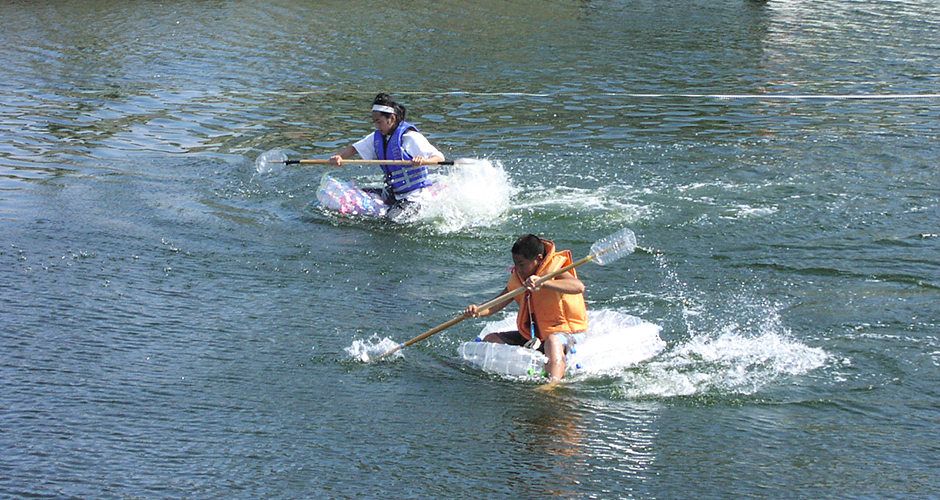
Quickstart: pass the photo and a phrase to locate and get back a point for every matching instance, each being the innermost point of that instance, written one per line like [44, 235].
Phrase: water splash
[731, 362]
[366, 350]
[474, 193]
[737, 344]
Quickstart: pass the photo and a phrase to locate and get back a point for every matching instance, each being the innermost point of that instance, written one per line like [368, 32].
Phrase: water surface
[173, 324]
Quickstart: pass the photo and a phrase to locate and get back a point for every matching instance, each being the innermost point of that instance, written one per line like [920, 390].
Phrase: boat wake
[728, 363]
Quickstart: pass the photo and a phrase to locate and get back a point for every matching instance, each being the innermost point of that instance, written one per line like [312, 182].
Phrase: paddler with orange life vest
[552, 317]
[395, 139]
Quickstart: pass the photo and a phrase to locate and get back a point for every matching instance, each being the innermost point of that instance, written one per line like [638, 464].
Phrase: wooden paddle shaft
[364, 162]
[421, 337]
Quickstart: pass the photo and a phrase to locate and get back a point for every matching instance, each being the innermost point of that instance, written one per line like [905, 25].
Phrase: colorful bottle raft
[344, 197]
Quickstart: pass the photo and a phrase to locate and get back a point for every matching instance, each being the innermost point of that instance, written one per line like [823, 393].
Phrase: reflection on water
[552, 434]
[214, 77]
[578, 444]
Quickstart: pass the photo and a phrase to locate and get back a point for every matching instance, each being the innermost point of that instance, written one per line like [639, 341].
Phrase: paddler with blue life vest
[552, 316]
[395, 139]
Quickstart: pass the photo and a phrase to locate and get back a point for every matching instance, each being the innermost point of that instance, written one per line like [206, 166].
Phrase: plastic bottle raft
[344, 197]
[614, 341]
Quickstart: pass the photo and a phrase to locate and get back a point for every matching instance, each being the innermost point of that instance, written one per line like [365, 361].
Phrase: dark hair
[384, 99]
[529, 247]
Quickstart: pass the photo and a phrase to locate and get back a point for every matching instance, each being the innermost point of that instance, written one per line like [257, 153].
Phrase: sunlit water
[175, 324]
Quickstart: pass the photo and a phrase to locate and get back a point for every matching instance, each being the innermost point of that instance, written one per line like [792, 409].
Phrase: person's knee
[554, 343]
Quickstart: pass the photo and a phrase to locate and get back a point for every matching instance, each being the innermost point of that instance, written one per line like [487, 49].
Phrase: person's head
[386, 113]
[527, 255]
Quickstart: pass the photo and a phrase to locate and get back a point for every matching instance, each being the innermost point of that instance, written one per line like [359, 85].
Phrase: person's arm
[344, 153]
[473, 310]
[420, 149]
[420, 160]
[564, 283]
[363, 147]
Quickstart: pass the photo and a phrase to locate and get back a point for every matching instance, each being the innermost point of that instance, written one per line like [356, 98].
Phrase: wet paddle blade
[613, 247]
[269, 161]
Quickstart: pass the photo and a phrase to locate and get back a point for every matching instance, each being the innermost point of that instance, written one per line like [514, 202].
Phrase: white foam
[473, 193]
[731, 362]
[614, 201]
[736, 343]
[746, 212]
[365, 350]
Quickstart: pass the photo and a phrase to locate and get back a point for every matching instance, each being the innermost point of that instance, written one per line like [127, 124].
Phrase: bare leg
[555, 351]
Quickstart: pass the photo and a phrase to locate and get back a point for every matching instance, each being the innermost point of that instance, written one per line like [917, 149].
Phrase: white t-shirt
[413, 142]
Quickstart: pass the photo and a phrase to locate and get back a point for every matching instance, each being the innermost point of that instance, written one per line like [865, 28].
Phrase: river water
[174, 324]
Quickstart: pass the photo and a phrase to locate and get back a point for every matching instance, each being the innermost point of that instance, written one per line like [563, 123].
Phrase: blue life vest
[400, 179]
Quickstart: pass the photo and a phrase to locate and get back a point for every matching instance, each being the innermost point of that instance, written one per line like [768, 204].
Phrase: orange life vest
[552, 311]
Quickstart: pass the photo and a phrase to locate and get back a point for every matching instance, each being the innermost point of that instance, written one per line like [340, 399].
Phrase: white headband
[383, 109]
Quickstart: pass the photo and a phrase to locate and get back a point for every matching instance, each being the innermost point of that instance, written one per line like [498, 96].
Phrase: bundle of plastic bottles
[511, 361]
[346, 198]
[614, 342]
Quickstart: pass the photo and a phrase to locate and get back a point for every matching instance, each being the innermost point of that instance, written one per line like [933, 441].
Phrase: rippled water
[174, 324]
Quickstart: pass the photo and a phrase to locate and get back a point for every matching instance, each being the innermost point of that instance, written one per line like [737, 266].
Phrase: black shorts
[516, 338]
[512, 338]
[399, 209]
[384, 194]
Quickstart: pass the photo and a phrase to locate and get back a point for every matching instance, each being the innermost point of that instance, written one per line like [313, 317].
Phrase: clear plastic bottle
[504, 359]
[330, 193]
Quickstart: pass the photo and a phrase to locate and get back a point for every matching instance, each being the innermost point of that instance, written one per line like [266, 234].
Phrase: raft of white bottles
[614, 341]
